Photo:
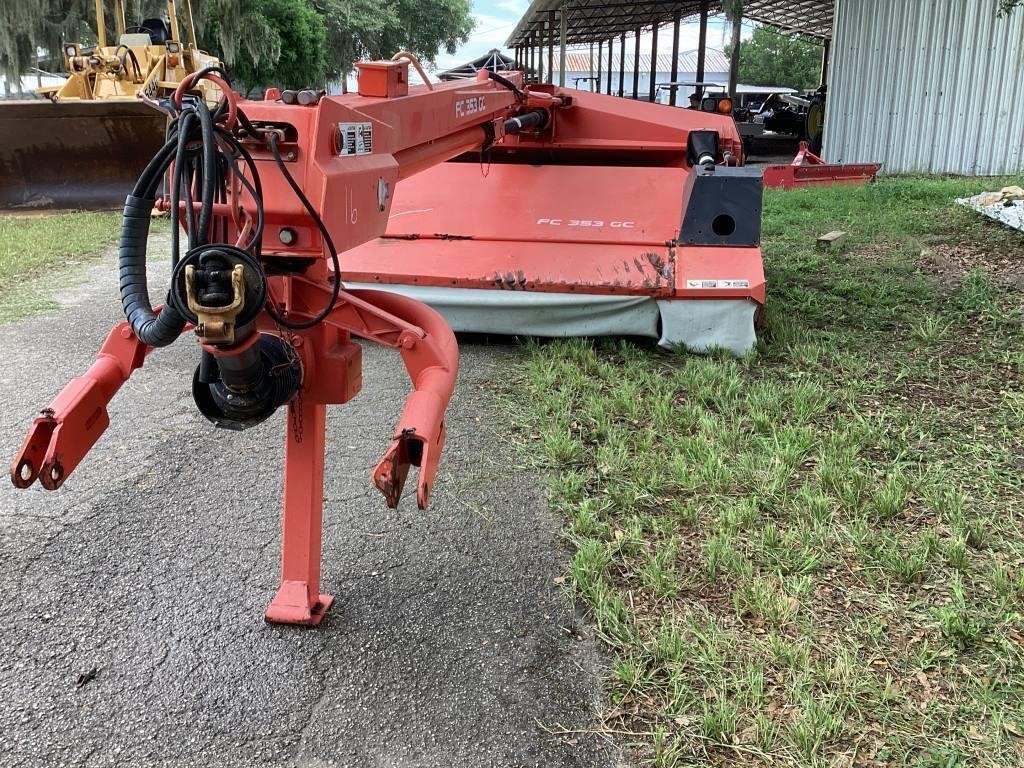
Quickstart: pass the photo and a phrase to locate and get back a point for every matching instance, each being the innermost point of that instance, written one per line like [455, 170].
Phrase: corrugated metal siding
[930, 86]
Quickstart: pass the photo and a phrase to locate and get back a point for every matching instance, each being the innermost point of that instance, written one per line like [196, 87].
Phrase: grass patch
[36, 253]
[813, 556]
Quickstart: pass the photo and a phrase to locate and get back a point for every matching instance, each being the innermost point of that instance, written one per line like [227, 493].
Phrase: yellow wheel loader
[85, 143]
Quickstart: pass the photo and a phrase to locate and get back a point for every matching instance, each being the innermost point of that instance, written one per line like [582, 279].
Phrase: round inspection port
[723, 225]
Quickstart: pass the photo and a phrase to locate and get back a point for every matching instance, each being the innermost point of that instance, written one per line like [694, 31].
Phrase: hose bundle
[205, 151]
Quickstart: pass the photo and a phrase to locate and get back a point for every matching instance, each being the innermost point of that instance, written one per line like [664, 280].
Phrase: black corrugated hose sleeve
[151, 328]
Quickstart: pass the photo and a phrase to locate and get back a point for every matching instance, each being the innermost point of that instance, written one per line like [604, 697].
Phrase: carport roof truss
[589, 21]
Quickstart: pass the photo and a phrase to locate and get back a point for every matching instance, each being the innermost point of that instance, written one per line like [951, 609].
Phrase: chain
[295, 407]
[485, 157]
[296, 411]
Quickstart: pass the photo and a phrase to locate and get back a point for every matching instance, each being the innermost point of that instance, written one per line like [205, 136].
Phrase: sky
[495, 20]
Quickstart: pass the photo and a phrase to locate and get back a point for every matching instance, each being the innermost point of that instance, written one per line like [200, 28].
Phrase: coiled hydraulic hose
[204, 150]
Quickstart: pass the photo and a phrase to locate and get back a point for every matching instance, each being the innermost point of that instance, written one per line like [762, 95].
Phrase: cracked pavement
[450, 643]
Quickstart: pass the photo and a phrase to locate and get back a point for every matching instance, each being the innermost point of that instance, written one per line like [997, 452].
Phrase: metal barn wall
[930, 86]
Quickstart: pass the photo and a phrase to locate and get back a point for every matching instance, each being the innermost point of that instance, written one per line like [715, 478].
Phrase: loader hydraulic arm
[268, 194]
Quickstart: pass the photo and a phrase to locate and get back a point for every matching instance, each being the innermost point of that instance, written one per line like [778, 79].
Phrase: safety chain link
[295, 406]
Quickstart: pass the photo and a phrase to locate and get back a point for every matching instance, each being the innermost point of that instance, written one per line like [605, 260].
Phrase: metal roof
[494, 60]
[592, 20]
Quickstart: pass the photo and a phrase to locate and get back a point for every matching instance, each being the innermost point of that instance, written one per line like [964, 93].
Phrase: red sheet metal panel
[561, 229]
[551, 203]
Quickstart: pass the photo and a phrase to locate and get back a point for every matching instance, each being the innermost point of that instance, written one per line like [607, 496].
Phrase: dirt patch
[948, 264]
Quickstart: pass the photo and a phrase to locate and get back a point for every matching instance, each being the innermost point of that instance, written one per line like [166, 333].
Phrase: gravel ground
[133, 630]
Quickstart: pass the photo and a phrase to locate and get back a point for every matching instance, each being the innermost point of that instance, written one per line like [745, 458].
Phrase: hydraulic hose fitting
[531, 120]
[243, 376]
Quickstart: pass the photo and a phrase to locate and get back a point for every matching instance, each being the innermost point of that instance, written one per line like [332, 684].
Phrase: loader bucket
[74, 155]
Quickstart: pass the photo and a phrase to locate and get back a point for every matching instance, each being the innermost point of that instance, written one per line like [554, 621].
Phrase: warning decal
[355, 138]
[717, 283]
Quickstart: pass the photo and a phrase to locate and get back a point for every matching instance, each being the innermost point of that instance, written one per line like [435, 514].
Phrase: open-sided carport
[919, 85]
[550, 25]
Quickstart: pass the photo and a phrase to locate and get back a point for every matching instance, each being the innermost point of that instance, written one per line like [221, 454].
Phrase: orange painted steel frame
[809, 170]
[347, 153]
[400, 136]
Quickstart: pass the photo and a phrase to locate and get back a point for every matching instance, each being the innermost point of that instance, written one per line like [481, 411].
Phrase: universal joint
[243, 376]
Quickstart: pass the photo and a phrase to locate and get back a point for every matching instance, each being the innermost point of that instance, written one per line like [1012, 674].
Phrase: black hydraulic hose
[179, 177]
[506, 83]
[535, 118]
[209, 177]
[156, 330]
[160, 330]
[328, 241]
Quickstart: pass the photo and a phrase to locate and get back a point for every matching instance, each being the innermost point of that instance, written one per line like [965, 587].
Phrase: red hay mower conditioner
[579, 213]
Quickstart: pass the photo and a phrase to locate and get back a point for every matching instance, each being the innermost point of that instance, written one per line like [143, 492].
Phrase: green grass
[813, 556]
[37, 253]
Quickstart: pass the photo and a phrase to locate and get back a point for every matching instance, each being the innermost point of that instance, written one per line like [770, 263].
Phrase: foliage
[271, 42]
[1007, 6]
[359, 29]
[284, 42]
[773, 57]
[38, 254]
[733, 9]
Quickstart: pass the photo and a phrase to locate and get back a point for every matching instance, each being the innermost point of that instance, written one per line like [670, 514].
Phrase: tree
[358, 29]
[1006, 6]
[271, 42]
[733, 10]
[772, 57]
[280, 42]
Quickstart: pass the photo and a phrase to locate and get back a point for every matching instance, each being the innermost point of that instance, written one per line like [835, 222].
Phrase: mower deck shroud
[566, 235]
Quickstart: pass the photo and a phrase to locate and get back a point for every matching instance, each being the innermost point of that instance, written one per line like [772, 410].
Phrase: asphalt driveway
[132, 629]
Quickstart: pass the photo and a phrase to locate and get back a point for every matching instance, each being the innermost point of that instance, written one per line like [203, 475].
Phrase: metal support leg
[298, 600]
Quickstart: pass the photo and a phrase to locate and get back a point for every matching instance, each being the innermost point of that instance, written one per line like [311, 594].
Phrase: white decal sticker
[355, 138]
[587, 223]
[717, 283]
[467, 107]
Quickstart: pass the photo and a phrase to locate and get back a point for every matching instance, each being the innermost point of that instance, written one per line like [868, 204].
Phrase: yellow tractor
[87, 141]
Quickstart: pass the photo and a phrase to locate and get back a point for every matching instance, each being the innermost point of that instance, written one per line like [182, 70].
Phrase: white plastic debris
[1005, 206]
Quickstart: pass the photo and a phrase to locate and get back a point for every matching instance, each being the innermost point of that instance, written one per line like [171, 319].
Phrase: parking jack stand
[298, 600]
